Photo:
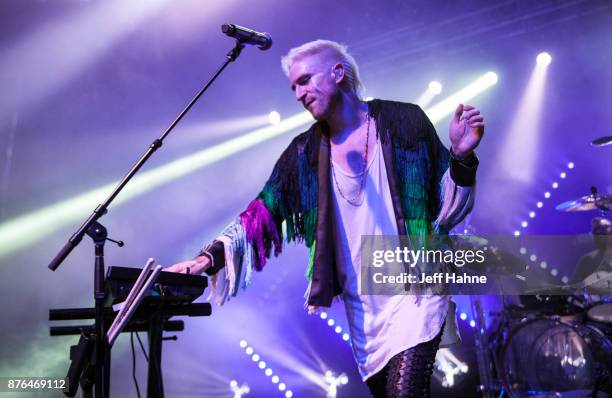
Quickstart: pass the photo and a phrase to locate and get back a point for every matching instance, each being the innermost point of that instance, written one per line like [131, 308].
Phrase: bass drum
[546, 357]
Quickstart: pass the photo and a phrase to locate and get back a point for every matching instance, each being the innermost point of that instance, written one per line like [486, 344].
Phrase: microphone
[247, 36]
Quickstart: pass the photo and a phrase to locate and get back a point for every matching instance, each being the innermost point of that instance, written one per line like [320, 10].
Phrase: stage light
[547, 195]
[323, 315]
[249, 350]
[448, 105]
[274, 118]
[555, 185]
[565, 279]
[262, 364]
[517, 233]
[288, 394]
[282, 386]
[268, 372]
[491, 78]
[330, 322]
[275, 379]
[533, 258]
[25, 230]
[463, 316]
[239, 391]
[540, 205]
[524, 224]
[543, 59]
[197, 133]
[554, 272]
[334, 382]
[255, 358]
[346, 337]
[532, 214]
[448, 367]
[424, 99]
[570, 165]
[338, 329]
[243, 343]
[543, 264]
[521, 142]
[563, 175]
[435, 87]
[473, 323]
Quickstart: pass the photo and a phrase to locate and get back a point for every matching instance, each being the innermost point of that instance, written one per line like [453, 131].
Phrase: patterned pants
[408, 374]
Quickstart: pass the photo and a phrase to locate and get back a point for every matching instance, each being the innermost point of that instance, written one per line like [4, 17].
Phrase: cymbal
[552, 290]
[585, 203]
[599, 282]
[602, 141]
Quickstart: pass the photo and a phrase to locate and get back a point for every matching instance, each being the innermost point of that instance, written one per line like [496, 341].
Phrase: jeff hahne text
[426, 259]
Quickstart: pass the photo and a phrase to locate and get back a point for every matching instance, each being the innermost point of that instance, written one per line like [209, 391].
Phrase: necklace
[354, 200]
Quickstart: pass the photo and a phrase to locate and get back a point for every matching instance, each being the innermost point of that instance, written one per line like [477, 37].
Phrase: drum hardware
[546, 356]
[557, 341]
[540, 353]
[484, 355]
[602, 141]
[594, 201]
[600, 311]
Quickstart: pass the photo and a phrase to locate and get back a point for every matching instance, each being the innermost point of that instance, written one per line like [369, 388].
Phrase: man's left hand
[466, 130]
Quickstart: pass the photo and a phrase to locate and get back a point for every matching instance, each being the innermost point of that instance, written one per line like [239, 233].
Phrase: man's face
[312, 81]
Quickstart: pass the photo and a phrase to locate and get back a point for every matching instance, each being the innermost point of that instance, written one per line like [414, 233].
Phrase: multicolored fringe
[261, 232]
[239, 262]
[310, 268]
[290, 194]
[457, 202]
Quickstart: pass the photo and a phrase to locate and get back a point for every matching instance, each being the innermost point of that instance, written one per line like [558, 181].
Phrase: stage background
[87, 85]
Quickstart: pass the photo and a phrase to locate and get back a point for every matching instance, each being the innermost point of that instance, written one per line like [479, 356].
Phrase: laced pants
[408, 374]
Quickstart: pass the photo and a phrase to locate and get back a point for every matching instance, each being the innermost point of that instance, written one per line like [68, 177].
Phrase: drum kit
[558, 341]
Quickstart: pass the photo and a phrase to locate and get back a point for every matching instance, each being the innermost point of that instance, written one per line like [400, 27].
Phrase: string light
[532, 215]
[239, 391]
[275, 379]
[331, 322]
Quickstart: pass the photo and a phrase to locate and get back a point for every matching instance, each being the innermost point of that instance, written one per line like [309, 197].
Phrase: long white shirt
[380, 326]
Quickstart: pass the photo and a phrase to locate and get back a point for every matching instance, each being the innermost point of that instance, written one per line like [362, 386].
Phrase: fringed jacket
[431, 192]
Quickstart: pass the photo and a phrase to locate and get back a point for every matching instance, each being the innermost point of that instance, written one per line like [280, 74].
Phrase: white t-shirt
[380, 326]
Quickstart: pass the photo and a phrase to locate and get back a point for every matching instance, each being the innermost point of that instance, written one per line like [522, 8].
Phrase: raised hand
[466, 130]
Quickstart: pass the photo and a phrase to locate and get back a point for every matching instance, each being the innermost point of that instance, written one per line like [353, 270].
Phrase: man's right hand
[195, 266]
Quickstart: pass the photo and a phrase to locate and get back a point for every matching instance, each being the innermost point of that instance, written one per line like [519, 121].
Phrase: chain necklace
[354, 200]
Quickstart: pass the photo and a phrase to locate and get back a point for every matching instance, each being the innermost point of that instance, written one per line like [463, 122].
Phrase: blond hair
[338, 51]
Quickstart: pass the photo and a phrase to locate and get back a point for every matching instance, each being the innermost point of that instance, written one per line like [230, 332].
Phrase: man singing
[364, 168]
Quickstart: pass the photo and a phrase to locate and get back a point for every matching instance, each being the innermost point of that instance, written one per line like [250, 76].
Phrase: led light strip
[265, 368]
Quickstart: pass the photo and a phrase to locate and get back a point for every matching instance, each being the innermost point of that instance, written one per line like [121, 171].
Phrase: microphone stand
[98, 233]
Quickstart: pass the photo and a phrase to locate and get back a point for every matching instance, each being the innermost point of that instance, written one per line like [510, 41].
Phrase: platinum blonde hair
[338, 53]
